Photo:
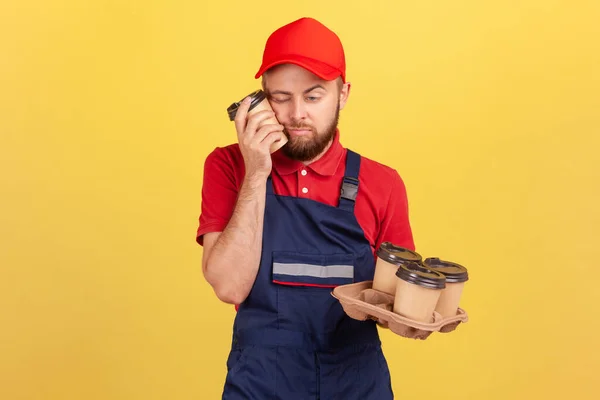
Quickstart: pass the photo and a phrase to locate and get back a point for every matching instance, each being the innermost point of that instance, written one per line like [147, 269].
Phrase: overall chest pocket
[303, 283]
[313, 270]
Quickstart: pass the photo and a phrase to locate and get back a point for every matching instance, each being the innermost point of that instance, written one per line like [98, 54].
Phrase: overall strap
[349, 188]
[270, 185]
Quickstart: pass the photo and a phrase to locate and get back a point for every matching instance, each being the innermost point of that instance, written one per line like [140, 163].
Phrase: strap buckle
[349, 188]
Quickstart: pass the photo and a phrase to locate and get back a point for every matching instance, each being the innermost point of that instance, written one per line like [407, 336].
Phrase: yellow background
[490, 111]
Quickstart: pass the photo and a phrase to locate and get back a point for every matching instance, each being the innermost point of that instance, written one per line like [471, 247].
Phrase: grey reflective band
[316, 271]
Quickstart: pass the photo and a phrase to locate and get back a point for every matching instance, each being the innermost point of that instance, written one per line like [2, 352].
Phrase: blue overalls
[291, 337]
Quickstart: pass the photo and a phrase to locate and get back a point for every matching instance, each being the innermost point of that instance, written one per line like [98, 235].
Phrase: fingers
[271, 138]
[256, 120]
[265, 131]
[249, 124]
[241, 114]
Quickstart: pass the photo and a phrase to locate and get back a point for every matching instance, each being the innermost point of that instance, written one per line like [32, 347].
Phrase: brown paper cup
[415, 302]
[385, 279]
[449, 300]
[389, 258]
[264, 105]
[417, 292]
[456, 276]
[259, 103]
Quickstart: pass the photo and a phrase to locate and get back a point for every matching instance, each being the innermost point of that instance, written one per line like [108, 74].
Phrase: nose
[298, 110]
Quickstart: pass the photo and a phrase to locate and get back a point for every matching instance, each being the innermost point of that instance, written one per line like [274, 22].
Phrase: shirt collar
[326, 165]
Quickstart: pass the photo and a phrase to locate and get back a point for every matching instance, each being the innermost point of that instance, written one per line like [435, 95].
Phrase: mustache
[299, 127]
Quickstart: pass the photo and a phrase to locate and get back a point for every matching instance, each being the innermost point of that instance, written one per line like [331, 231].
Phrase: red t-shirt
[381, 206]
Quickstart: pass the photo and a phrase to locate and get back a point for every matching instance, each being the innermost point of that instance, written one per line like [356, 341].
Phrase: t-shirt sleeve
[219, 193]
[395, 225]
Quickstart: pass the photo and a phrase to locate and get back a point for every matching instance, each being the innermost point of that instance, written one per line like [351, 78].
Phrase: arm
[395, 225]
[231, 258]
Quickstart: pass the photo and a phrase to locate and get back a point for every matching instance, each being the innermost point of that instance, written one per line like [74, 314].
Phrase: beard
[306, 148]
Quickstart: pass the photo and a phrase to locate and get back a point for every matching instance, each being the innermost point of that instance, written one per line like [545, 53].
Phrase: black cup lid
[396, 254]
[419, 275]
[453, 272]
[257, 96]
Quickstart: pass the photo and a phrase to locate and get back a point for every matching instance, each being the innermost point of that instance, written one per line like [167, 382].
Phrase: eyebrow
[310, 89]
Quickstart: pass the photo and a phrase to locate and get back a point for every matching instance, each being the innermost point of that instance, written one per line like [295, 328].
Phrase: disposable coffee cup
[417, 292]
[389, 258]
[456, 276]
[258, 103]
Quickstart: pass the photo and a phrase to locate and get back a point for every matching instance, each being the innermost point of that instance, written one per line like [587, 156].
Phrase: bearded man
[281, 229]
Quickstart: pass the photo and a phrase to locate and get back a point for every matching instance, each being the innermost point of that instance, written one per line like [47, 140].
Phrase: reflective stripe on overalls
[291, 338]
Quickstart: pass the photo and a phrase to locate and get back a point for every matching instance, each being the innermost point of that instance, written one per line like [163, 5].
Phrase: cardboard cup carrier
[425, 298]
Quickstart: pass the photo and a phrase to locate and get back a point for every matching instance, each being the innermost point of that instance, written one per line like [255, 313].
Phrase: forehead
[291, 77]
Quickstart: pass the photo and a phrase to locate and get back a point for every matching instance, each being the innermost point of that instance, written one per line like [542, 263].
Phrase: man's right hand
[255, 142]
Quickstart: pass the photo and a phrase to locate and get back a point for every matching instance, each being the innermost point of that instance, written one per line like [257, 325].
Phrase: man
[281, 230]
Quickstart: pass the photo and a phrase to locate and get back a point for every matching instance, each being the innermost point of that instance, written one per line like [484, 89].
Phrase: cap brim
[322, 70]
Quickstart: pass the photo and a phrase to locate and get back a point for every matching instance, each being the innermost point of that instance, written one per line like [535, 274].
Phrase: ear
[344, 94]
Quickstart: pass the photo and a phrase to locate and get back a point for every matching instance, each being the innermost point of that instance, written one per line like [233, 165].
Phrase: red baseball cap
[308, 43]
